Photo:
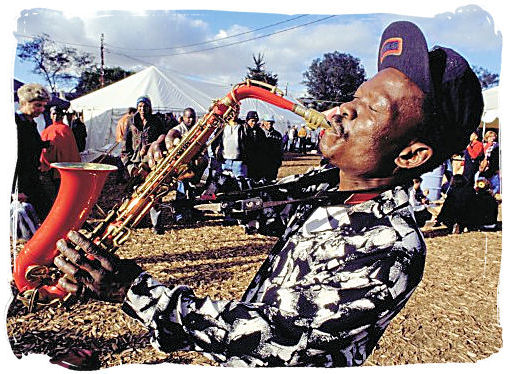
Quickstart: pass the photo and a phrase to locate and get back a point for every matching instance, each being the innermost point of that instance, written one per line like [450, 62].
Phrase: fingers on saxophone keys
[78, 239]
[69, 286]
[66, 266]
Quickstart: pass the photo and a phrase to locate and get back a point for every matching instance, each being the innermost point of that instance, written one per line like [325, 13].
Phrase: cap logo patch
[391, 46]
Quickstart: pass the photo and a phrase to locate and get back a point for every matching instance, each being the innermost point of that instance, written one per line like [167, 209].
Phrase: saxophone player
[339, 273]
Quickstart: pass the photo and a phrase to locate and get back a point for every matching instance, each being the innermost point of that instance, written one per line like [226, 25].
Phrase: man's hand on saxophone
[90, 270]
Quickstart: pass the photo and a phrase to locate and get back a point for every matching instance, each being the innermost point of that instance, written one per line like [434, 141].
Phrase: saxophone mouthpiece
[314, 119]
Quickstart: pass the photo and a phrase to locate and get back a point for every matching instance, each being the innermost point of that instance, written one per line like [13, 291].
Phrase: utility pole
[102, 77]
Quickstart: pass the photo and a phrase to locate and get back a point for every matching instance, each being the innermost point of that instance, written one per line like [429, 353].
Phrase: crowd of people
[302, 139]
[470, 195]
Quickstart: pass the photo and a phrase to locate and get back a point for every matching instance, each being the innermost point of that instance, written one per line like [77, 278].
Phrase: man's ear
[414, 155]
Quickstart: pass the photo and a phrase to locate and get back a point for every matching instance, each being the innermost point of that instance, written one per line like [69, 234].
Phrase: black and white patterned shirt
[323, 297]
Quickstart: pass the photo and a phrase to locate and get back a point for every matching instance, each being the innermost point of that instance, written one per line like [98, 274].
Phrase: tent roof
[168, 92]
[165, 92]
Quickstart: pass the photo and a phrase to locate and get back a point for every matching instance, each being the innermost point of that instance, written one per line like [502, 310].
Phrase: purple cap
[404, 48]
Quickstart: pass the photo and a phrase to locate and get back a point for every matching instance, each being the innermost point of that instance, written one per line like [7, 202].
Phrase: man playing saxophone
[341, 271]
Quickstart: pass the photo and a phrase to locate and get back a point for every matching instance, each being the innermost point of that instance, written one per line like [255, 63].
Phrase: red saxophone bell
[81, 184]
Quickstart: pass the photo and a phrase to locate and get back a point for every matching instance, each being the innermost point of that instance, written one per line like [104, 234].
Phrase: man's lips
[338, 128]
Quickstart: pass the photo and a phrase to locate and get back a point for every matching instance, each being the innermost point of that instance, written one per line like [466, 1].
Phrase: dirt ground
[452, 316]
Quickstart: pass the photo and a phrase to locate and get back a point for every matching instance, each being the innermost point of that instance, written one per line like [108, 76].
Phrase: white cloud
[143, 35]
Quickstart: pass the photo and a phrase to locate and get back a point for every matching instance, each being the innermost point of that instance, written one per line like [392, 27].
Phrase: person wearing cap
[27, 185]
[344, 266]
[273, 148]
[63, 147]
[255, 142]
[144, 128]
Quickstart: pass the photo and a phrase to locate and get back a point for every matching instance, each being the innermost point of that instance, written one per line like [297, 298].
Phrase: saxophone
[33, 272]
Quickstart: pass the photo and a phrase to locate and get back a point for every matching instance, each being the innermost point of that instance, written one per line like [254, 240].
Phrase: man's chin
[330, 143]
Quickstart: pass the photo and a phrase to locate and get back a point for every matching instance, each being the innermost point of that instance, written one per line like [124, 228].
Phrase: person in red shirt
[63, 147]
[473, 155]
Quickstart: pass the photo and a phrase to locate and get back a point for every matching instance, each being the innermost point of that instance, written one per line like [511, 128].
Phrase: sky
[484, 31]
[218, 46]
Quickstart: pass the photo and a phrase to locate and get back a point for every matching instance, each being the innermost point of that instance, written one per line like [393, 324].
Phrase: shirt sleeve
[272, 221]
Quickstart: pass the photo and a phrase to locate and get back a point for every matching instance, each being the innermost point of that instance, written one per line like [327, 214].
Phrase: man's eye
[372, 109]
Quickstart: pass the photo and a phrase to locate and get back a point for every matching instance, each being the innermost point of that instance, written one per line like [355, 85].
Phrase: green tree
[486, 78]
[334, 78]
[90, 80]
[56, 63]
[258, 72]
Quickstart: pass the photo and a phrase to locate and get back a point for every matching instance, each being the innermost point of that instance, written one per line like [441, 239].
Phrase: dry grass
[452, 317]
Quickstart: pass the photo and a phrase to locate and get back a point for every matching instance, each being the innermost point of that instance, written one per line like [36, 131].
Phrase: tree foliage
[258, 72]
[90, 80]
[486, 78]
[55, 63]
[334, 78]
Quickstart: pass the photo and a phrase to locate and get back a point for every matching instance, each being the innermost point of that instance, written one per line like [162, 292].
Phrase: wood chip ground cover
[452, 316]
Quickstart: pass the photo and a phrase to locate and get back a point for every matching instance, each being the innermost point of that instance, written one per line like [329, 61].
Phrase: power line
[241, 41]
[197, 51]
[57, 41]
[213, 40]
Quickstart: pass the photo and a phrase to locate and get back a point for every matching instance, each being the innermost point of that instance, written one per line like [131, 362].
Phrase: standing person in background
[473, 156]
[78, 129]
[144, 129]
[63, 147]
[27, 186]
[489, 167]
[302, 134]
[285, 140]
[120, 133]
[273, 148]
[232, 149]
[255, 143]
[186, 186]
[122, 124]
[292, 138]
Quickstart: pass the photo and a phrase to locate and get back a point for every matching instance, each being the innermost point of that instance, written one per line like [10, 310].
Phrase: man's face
[473, 137]
[143, 109]
[268, 125]
[189, 118]
[33, 108]
[252, 122]
[373, 129]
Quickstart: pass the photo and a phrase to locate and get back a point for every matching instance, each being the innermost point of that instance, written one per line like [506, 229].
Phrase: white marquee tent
[490, 118]
[169, 92]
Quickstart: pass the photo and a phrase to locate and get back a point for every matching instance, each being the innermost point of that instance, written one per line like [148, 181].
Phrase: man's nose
[348, 110]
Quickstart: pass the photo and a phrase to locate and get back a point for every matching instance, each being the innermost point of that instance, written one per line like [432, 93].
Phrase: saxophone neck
[314, 119]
